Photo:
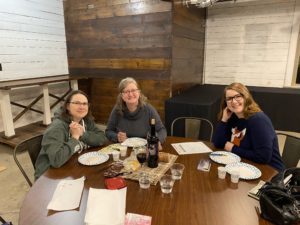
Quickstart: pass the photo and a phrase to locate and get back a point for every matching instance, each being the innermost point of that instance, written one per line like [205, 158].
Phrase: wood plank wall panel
[105, 91]
[249, 42]
[110, 39]
[188, 47]
[32, 37]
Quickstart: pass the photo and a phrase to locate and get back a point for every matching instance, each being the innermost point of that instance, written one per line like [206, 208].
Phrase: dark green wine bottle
[152, 146]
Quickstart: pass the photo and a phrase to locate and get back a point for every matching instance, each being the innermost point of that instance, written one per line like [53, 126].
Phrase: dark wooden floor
[23, 133]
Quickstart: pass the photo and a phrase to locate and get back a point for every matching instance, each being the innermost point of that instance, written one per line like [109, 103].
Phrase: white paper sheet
[185, 148]
[67, 195]
[105, 207]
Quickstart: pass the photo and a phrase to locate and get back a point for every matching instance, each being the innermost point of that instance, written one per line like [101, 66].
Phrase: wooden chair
[291, 150]
[192, 127]
[33, 147]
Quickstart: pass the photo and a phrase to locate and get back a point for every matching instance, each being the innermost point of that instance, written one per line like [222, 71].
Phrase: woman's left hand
[228, 146]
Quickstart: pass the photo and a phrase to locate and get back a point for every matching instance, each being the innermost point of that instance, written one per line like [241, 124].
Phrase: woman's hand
[160, 146]
[76, 130]
[121, 136]
[228, 146]
[226, 115]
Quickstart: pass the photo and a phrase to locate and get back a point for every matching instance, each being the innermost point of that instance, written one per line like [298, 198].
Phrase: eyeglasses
[237, 98]
[80, 103]
[133, 91]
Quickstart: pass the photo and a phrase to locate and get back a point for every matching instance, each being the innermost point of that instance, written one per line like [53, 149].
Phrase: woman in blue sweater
[245, 130]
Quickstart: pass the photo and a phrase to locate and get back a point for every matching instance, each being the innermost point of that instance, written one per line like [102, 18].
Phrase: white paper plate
[93, 158]
[224, 157]
[134, 142]
[247, 171]
[110, 148]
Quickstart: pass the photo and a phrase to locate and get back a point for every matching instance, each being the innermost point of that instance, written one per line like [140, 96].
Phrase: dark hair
[250, 106]
[121, 105]
[64, 114]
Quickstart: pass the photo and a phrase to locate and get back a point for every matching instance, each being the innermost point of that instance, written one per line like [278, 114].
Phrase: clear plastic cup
[166, 184]
[177, 171]
[144, 181]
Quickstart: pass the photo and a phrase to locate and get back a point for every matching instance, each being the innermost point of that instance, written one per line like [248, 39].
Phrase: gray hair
[120, 104]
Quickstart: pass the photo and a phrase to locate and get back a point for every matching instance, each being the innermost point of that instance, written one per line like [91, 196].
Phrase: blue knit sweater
[254, 139]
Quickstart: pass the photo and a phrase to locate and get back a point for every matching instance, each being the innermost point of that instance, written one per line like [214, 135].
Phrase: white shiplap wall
[32, 44]
[32, 39]
[249, 42]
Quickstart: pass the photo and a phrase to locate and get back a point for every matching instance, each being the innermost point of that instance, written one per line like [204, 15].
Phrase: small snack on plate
[163, 157]
[131, 165]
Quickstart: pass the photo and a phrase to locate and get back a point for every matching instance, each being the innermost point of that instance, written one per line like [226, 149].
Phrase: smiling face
[131, 95]
[235, 102]
[78, 107]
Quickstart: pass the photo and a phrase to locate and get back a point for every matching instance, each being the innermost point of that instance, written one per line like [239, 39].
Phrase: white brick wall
[251, 42]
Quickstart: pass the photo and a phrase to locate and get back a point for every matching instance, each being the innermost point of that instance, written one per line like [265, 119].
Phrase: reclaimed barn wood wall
[108, 40]
[188, 30]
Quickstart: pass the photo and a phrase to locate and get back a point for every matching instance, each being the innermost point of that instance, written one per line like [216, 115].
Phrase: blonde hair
[250, 106]
[120, 104]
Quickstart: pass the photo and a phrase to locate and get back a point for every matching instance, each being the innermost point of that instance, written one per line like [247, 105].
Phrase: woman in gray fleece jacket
[72, 130]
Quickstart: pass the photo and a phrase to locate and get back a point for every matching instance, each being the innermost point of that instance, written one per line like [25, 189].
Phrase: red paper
[115, 183]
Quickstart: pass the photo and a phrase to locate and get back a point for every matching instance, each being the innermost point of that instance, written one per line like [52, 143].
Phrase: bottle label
[152, 149]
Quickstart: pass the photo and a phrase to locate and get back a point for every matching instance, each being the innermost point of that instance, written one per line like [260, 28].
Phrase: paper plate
[224, 157]
[110, 148]
[247, 171]
[93, 158]
[134, 142]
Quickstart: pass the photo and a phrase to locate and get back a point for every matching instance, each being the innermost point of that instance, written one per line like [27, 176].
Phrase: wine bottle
[152, 146]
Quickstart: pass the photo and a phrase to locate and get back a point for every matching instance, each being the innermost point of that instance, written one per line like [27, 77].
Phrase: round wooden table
[199, 198]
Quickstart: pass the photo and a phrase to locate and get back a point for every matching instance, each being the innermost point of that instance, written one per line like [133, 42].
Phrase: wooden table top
[199, 198]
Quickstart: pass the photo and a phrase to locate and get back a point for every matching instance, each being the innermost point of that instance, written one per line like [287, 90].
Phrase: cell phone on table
[204, 165]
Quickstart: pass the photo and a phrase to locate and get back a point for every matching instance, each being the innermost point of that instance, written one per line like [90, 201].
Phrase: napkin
[105, 207]
[67, 195]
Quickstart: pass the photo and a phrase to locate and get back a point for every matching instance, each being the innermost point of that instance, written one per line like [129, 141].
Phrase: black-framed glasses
[133, 91]
[237, 98]
[80, 103]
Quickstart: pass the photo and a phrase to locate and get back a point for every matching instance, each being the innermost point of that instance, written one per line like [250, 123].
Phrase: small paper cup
[235, 176]
[116, 155]
[221, 172]
[123, 151]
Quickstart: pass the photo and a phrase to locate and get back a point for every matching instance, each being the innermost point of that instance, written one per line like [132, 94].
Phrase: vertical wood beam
[6, 113]
[46, 105]
[74, 84]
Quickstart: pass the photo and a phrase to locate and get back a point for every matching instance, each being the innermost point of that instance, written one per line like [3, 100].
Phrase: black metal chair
[33, 147]
[4, 222]
[291, 150]
[192, 127]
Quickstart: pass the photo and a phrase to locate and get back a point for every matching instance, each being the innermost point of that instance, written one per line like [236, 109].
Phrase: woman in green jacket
[72, 130]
